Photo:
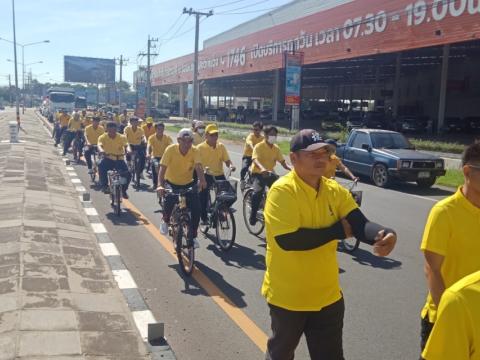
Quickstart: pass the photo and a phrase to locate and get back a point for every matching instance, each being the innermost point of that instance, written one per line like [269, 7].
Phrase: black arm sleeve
[363, 229]
[309, 239]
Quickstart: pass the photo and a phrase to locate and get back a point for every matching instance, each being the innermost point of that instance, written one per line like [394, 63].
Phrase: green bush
[453, 178]
[440, 146]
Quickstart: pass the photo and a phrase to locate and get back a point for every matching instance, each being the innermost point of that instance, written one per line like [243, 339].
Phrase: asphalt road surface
[219, 313]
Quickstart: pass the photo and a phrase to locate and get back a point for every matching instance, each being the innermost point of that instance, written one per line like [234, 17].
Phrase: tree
[123, 85]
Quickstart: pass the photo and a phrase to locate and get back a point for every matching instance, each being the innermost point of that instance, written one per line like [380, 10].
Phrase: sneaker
[164, 228]
[196, 244]
[106, 190]
[124, 195]
[90, 171]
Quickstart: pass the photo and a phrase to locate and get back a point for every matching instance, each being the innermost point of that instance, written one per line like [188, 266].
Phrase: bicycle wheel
[93, 174]
[350, 244]
[247, 209]
[204, 228]
[116, 207]
[184, 248]
[225, 228]
[160, 200]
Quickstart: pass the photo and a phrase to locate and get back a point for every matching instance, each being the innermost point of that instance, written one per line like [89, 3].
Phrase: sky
[110, 28]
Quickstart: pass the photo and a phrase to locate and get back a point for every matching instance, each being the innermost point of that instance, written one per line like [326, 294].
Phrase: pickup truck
[385, 156]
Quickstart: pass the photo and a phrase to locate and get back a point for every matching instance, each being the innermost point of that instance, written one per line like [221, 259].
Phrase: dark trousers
[88, 155]
[323, 331]
[58, 133]
[204, 194]
[155, 165]
[425, 330]
[246, 162]
[259, 183]
[107, 164]
[193, 203]
[140, 150]
[69, 136]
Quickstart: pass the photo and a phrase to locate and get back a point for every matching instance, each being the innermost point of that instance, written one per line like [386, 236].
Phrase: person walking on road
[213, 154]
[335, 163]
[252, 139]
[450, 242]
[265, 156]
[198, 132]
[305, 215]
[92, 133]
[61, 126]
[455, 334]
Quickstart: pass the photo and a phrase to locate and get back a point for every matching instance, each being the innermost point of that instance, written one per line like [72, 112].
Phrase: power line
[221, 5]
[172, 26]
[243, 7]
[249, 12]
[176, 32]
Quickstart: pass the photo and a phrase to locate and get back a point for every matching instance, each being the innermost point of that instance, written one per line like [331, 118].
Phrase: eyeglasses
[476, 167]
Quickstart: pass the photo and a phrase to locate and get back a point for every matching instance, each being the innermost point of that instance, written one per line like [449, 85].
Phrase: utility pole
[149, 83]
[16, 69]
[122, 61]
[10, 89]
[196, 90]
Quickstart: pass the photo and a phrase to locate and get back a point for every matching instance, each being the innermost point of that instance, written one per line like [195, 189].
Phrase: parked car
[454, 124]
[385, 156]
[473, 123]
[413, 124]
[375, 120]
[355, 122]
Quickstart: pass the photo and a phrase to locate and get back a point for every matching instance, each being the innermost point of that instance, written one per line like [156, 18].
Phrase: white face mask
[201, 131]
[272, 139]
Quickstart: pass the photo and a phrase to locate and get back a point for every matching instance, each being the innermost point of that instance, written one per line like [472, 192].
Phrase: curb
[151, 331]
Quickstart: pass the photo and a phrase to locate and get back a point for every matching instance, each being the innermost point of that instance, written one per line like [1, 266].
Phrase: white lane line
[124, 279]
[142, 319]
[80, 188]
[76, 181]
[109, 249]
[98, 228]
[70, 168]
[90, 211]
[421, 197]
[72, 173]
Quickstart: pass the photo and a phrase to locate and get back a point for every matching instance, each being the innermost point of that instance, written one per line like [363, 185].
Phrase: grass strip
[453, 178]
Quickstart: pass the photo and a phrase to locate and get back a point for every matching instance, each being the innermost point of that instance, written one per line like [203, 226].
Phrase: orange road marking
[251, 329]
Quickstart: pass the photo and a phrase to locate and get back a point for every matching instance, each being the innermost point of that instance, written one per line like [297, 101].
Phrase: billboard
[293, 78]
[89, 70]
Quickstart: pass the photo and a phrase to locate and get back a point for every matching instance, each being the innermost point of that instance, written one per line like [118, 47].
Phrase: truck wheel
[380, 175]
[426, 183]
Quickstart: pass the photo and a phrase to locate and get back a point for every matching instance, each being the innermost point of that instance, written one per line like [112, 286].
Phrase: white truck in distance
[58, 99]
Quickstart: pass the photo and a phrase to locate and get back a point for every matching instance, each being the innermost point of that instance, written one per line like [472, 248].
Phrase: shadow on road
[414, 189]
[192, 287]
[127, 217]
[239, 256]
[364, 257]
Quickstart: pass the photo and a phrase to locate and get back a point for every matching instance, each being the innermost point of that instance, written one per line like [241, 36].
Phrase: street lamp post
[15, 57]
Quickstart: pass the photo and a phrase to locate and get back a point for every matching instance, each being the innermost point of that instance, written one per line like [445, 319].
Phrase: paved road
[383, 295]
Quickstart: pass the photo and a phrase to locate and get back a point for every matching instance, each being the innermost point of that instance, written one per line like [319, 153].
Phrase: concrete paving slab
[10, 259]
[98, 302]
[45, 271]
[104, 321]
[8, 321]
[9, 271]
[9, 248]
[39, 223]
[11, 234]
[42, 258]
[8, 303]
[10, 223]
[8, 286]
[46, 301]
[74, 234]
[48, 320]
[49, 343]
[44, 285]
[77, 228]
[111, 343]
[79, 243]
[8, 346]
[41, 247]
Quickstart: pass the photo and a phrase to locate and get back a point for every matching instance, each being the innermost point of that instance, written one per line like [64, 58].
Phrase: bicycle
[77, 145]
[155, 163]
[134, 168]
[352, 243]
[246, 183]
[115, 183]
[220, 213]
[247, 209]
[94, 170]
[179, 229]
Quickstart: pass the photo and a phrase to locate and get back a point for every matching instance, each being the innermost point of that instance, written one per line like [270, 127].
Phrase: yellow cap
[211, 129]
[149, 120]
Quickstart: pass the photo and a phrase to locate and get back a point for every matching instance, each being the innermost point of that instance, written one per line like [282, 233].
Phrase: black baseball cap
[308, 140]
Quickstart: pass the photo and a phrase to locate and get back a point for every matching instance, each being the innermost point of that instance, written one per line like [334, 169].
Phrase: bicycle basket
[226, 191]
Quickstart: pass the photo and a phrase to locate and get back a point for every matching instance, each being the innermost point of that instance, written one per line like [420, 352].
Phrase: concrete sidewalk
[58, 298]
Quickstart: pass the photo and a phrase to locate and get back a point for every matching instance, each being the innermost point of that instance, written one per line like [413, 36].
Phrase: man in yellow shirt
[264, 158]
[61, 125]
[74, 128]
[198, 132]
[136, 143]
[455, 334]
[113, 146]
[148, 127]
[212, 156]
[123, 121]
[335, 163]
[176, 172]
[92, 133]
[305, 215]
[252, 139]
[450, 239]
[157, 144]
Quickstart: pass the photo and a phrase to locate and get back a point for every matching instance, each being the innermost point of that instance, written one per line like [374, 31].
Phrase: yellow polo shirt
[134, 137]
[266, 155]
[179, 167]
[115, 146]
[332, 167]
[74, 125]
[158, 145]
[453, 231]
[197, 139]
[148, 131]
[456, 333]
[64, 119]
[303, 280]
[250, 143]
[213, 157]
[93, 134]
[86, 121]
